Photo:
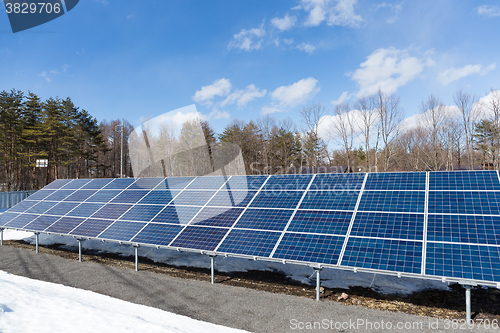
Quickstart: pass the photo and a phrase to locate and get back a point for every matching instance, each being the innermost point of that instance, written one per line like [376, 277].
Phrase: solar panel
[444, 223]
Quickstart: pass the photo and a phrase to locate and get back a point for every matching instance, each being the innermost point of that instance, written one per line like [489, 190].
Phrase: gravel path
[251, 310]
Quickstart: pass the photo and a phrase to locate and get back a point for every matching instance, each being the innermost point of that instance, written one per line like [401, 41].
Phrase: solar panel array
[431, 225]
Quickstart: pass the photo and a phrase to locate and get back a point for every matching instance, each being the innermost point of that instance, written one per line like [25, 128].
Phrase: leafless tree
[391, 116]
[312, 117]
[369, 117]
[466, 104]
[342, 128]
[432, 122]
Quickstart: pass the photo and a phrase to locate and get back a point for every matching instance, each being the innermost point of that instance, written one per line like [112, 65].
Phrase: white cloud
[454, 74]
[247, 40]
[205, 95]
[395, 8]
[216, 114]
[334, 12]
[488, 10]
[387, 69]
[243, 97]
[343, 97]
[129, 17]
[416, 120]
[288, 41]
[49, 75]
[292, 95]
[306, 47]
[284, 23]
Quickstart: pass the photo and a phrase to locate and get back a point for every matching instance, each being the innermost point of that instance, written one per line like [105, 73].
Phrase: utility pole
[121, 154]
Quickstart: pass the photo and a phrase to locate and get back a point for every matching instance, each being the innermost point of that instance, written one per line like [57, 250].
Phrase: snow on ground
[330, 278]
[30, 305]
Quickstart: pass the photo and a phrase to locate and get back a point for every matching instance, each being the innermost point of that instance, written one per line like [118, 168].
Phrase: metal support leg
[1, 237]
[212, 268]
[318, 282]
[467, 304]
[36, 240]
[80, 250]
[136, 257]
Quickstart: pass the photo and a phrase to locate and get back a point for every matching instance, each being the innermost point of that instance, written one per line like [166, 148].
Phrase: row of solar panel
[438, 181]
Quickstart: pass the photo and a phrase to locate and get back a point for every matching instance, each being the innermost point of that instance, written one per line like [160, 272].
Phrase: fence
[9, 199]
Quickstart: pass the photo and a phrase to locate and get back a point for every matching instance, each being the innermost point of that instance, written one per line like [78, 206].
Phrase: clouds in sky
[292, 95]
[488, 10]
[334, 12]
[247, 40]
[454, 74]
[243, 97]
[306, 47]
[285, 23]
[206, 94]
[388, 69]
[49, 75]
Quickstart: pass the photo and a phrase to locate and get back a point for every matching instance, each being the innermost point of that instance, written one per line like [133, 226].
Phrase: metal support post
[467, 304]
[318, 282]
[37, 234]
[1, 237]
[212, 257]
[136, 247]
[80, 249]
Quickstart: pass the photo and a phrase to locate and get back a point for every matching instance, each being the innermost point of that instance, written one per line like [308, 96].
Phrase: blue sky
[244, 59]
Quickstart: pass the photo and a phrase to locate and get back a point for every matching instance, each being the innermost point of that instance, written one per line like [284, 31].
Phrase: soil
[444, 304]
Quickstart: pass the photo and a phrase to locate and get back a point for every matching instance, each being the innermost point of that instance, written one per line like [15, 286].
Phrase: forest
[372, 134]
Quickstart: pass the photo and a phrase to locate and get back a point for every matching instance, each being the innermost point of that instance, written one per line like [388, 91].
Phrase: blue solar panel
[245, 182]
[464, 202]
[266, 219]
[7, 217]
[249, 242]
[463, 261]
[119, 184]
[65, 225]
[159, 197]
[217, 217]
[103, 196]
[111, 211]
[389, 225]
[321, 222]
[200, 238]
[207, 183]
[75, 184]
[276, 199]
[177, 183]
[21, 220]
[41, 223]
[193, 198]
[23, 206]
[177, 215]
[59, 195]
[396, 181]
[336, 200]
[85, 209]
[463, 181]
[338, 182]
[464, 229]
[91, 227]
[40, 195]
[57, 184]
[143, 213]
[41, 207]
[157, 234]
[383, 254]
[97, 184]
[62, 208]
[145, 183]
[323, 249]
[287, 182]
[232, 198]
[80, 196]
[129, 196]
[122, 230]
[392, 201]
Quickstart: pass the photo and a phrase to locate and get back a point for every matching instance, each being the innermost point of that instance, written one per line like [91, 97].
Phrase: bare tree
[342, 128]
[432, 122]
[266, 125]
[391, 116]
[312, 116]
[493, 106]
[369, 117]
[466, 104]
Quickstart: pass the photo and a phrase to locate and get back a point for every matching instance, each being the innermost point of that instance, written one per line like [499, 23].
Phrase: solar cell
[338, 182]
[464, 202]
[245, 182]
[321, 222]
[23, 206]
[91, 227]
[157, 234]
[59, 195]
[330, 200]
[85, 209]
[463, 181]
[41, 207]
[232, 198]
[103, 196]
[463, 261]
[464, 229]
[111, 211]
[41, 223]
[40, 194]
[7, 217]
[62, 208]
[177, 214]
[122, 230]
[389, 225]
[119, 184]
[396, 181]
[249, 242]
[277, 199]
[80, 195]
[159, 197]
[323, 249]
[392, 201]
[217, 217]
[267, 219]
[200, 238]
[145, 183]
[65, 225]
[57, 184]
[177, 183]
[383, 254]
[282, 183]
[131, 196]
[207, 183]
[97, 184]
[193, 198]
[142, 213]
[75, 184]
[21, 220]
